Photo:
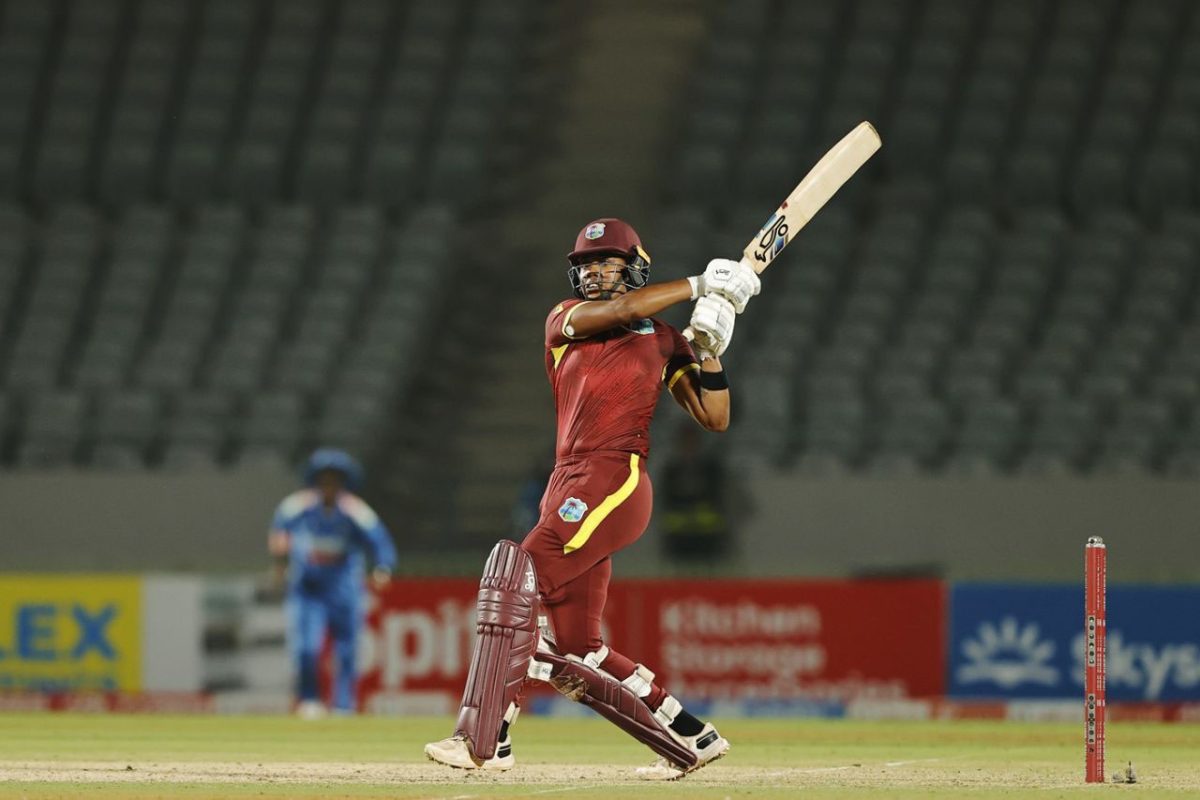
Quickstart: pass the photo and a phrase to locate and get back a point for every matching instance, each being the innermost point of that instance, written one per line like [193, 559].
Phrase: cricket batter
[608, 360]
[322, 535]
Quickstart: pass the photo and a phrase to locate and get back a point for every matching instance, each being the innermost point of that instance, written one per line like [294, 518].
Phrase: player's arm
[702, 392]
[383, 555]
[279, 546]
[731, 279]
[279, 543]
[592, 317]
[376, 538]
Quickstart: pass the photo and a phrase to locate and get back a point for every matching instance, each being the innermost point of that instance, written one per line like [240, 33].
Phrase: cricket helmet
[337, 460]
[609, 236]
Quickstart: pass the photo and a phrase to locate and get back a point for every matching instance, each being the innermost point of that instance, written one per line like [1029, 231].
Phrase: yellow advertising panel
[70, 633]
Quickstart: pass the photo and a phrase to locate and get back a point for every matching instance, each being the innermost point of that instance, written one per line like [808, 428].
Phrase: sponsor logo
[572, 510]
[63, 635]
[644, 327]
[1146, 670]
[772, 238]
[1002, 638]
[1008, 654]
[530, 583]
[593, 231]
[415, 645]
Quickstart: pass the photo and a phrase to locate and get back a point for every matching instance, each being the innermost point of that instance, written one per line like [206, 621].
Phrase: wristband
[713, 381]
[694, 282]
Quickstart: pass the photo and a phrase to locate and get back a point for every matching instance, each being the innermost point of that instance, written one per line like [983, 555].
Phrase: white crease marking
[567, 789]
[805, 770]
[818, 770]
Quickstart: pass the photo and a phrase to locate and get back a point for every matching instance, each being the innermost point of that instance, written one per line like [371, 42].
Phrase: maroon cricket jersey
[606, 386]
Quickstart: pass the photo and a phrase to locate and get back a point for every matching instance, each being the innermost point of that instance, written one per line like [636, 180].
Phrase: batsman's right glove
[736, 281]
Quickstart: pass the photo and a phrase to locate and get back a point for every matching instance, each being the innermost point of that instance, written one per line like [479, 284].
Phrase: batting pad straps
[668, 710]
[640, 681]
[596, 658]
[545, 631]
[614, 701]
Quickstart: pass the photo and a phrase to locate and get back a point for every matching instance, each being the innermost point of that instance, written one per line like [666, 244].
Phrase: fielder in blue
[325, 536]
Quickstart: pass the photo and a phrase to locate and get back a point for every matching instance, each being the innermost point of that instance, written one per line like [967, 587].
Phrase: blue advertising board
[1026, 641]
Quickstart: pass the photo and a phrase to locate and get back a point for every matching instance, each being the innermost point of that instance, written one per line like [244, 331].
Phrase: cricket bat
[809, 196]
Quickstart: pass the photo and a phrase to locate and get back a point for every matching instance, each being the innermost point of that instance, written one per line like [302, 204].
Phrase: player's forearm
[279, 544]
[650, 300]
[714, 402]
[590, 318]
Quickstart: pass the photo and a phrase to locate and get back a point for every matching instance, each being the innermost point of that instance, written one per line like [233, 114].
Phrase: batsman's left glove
[712, 324]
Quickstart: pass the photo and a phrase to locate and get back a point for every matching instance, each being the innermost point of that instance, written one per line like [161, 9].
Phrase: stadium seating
[225, 224]
[1009, 287]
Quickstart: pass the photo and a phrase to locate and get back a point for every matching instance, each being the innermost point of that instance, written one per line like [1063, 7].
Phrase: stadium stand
[1010, 288]
[227, 223]
[226, 226]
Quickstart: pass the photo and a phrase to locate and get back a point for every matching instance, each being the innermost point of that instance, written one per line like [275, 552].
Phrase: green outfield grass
[68, 755]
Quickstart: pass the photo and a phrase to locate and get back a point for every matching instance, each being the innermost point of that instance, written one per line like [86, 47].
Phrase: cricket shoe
[311, 710]
[453, 752]
[708, 745]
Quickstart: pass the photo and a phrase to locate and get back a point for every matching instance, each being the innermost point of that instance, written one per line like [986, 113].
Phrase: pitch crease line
[567, 788]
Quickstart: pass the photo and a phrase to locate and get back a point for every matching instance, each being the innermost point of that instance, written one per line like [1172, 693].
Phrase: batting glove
[712, 324]
[736, 281]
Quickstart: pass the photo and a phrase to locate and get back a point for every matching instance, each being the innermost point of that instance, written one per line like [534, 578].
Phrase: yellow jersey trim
[679, 373]
[606, 507]
[557, 352]
[567, 319]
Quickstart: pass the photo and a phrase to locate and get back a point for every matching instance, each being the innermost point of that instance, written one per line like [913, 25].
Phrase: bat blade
[811, 194]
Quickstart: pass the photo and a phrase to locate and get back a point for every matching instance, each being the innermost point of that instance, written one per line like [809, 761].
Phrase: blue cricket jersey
[329, 547]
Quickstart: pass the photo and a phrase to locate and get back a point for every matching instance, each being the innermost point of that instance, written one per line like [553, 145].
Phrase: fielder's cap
[337, 460]
[606, 236]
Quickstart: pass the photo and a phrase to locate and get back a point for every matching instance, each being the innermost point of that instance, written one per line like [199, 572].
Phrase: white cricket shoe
[453, 752]
[310, 710]
[708, 746]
